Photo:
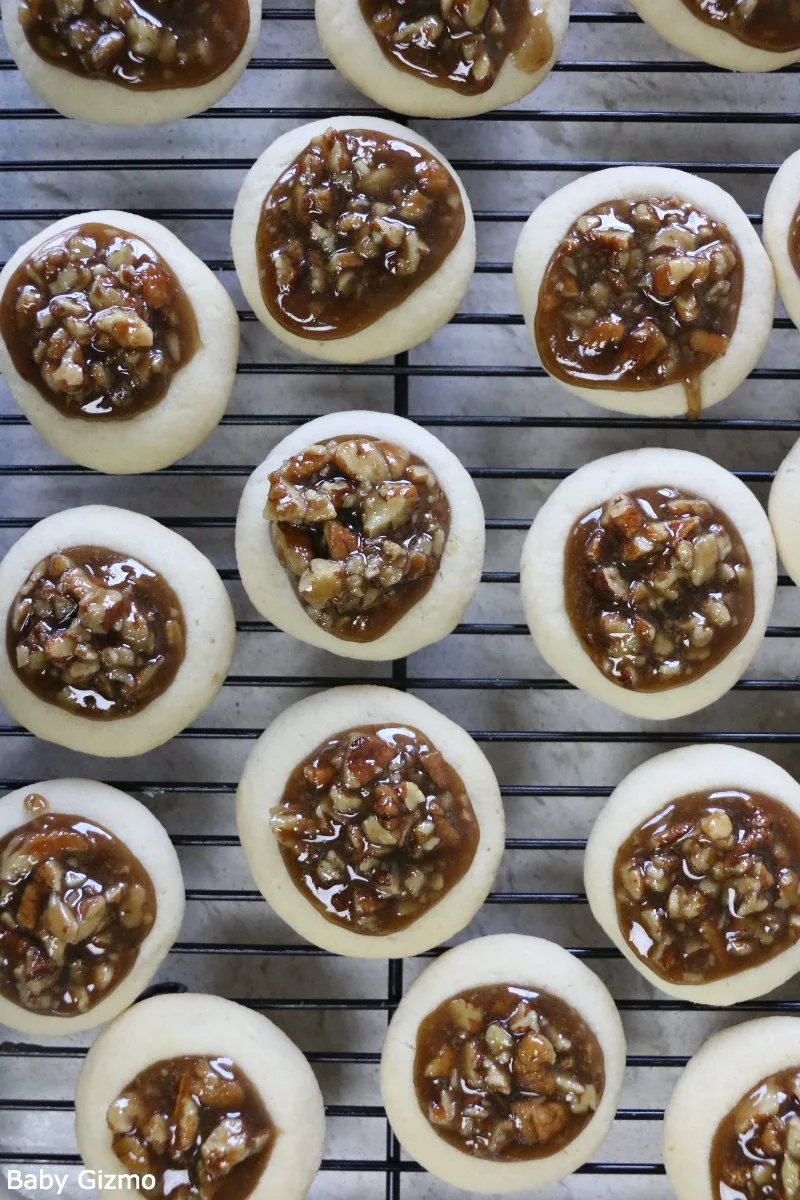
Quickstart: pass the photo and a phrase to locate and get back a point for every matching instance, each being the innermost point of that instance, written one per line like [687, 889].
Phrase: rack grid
[32, 484]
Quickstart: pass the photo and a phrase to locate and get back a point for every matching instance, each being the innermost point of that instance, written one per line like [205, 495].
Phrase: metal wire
[393, 1166]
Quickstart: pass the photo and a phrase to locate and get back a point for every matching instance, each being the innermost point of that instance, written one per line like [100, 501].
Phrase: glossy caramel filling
[765, 24]
[460, 44]
[709, 886]
[75, 907]
[794, 241]
[360, 526]
[638, 295]
[354, 225]
[755, 1154]
[98, 323]
[197, 1124]
[375, 827]
[95, 632]
[658, 587]
[507, 1073]
[144, 45]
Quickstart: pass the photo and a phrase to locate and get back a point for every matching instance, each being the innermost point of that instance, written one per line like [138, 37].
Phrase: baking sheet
[605, 106]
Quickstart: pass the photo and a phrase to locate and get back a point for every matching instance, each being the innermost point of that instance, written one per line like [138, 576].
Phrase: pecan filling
[794, 241]
[97, 322]
[709, 886]
[375, 827]
[766, 24]
[351, 228]
[75, 906]
[658, 587]
[460, 44]
[640, 294]
[360, 525]
[755, 1154]
[197, 1124]
[95, 632]
[147, 45]
[507, 1073]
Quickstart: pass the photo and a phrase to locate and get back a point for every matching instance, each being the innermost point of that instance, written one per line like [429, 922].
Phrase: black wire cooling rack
[738, 142]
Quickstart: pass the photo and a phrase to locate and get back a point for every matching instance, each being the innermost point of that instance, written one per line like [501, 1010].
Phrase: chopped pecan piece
[540, 1121]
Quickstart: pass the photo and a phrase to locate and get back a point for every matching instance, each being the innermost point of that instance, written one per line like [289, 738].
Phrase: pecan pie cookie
[91, 900]
[732, 1126]
[117, 342]
[693, 870]
[353, 239]
[131, 62]
[443, 58]
[372, 823]
[741, 35]
[648, 578]
[201, 1094]
[782, 233]
[645, 290]
[784, 511]
[503, 1065]
[362, 534]
[118, 632]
